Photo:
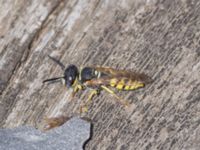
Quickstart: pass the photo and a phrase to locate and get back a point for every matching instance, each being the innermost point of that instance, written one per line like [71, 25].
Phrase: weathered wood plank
[160, 38]
[21, 22]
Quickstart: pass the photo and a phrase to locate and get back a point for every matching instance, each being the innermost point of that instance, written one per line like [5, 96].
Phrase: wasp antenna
[52, 79]
[58, 62]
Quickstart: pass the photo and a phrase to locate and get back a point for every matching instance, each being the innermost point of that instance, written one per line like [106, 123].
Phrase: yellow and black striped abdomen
[125, 84]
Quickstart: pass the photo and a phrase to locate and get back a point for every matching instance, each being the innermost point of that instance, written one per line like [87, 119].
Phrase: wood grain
[160, 38]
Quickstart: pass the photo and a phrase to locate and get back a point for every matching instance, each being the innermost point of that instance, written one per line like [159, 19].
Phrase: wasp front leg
[84, 108]
[76, 88]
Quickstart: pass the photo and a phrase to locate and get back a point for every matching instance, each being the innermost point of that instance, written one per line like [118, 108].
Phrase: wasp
[98, 79]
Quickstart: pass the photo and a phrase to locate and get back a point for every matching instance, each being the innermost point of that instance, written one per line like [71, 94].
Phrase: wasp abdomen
[125, 84]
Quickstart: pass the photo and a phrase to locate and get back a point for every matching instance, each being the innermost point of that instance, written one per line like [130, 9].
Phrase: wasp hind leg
[121, 100]
[84, 108]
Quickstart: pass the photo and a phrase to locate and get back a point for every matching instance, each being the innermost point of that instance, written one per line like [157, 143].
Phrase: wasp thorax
[70, 75]
[87, 73]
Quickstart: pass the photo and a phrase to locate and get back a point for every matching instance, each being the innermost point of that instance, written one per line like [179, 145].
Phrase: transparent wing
[115, 73]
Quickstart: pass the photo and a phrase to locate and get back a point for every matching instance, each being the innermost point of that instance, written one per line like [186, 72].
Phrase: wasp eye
[70, 75]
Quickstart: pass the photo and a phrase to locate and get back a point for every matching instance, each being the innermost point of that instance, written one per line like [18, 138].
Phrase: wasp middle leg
[84, 108]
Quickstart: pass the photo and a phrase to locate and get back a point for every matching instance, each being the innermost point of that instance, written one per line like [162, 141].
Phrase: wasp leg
[121, 100]
[76, 89]
[84, 108]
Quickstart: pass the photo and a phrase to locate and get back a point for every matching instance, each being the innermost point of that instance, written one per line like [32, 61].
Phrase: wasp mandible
[100, 78]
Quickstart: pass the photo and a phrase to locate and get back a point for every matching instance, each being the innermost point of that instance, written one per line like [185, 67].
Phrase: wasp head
[70, 75]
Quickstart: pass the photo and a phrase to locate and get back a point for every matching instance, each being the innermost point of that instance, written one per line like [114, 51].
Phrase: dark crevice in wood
[27, 49]
[37, 34]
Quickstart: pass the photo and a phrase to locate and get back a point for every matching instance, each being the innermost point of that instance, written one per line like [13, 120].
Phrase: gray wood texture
[160, 38]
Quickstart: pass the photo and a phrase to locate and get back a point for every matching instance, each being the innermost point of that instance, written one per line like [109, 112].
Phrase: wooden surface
[160, 38]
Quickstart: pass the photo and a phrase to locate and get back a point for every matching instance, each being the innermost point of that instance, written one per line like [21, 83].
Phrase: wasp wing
[115, 73]
[96, 82]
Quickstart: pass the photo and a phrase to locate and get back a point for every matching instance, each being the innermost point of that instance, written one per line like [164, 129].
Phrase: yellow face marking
[113, 82]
